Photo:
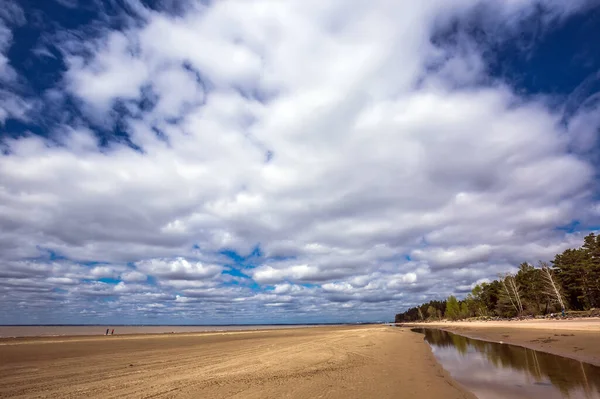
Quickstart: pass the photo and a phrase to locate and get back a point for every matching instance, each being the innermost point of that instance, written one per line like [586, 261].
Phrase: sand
[325, 362]
[577, 339]
[41, 331]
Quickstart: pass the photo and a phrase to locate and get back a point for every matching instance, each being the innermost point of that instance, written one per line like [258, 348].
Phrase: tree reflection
[565, 374]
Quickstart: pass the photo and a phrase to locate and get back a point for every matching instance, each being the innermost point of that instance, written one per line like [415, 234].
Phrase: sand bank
[578, 339]
[325, 362]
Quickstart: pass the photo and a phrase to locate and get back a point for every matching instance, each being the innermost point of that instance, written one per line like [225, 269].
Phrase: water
[493, 370]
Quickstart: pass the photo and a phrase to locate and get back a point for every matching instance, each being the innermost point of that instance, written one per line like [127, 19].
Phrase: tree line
[570, 282]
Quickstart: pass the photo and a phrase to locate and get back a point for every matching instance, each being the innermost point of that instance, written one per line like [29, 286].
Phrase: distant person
[106, 332]
[112, 332]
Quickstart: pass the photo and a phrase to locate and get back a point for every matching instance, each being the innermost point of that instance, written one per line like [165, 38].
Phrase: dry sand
[577, 339]
[329, 362]
[52, 331]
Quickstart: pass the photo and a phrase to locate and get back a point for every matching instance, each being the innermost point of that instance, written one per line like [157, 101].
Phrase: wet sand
[577, 339]
[322, 362]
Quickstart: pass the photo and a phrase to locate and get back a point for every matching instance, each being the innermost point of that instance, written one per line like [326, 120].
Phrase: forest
[571, 282]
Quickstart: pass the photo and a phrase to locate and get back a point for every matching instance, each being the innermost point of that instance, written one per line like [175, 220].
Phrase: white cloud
[104, 272]
[448, 257]
[11, 102]
[269, 275]
[178, 269]
[114, 73]
[134, 276]
[5, 42]
[316, 131]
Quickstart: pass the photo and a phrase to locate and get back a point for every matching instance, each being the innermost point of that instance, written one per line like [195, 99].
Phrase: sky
[295, 161]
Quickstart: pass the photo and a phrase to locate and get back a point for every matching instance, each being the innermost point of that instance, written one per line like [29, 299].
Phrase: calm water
[492, 370]
[43, 331]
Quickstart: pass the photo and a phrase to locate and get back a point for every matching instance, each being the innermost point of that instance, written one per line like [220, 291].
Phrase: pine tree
[464, 310]
[452, 308]
[591, 246]
[529, 279]
[573, 267]
[431, 312]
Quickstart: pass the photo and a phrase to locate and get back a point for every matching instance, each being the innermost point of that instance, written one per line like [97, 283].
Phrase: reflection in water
[492, 370]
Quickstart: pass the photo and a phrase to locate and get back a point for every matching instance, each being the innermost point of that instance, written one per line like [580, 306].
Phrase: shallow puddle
[493, 370]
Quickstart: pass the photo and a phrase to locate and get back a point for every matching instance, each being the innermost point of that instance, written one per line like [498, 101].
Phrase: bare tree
[512, 291]
[515, 289]
[552, 286]
[503, 281]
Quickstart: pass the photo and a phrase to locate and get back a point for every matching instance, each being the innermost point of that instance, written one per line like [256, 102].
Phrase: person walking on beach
[106, 332]
[112, 332]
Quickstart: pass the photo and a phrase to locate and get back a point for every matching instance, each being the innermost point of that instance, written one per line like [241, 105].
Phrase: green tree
[591, 246]
[464, 310]
[431, 312]
[572, 282]
[574, 268]
[530, 281]
[479, 301]
[452, 308]
[412, 314]
[490, 294]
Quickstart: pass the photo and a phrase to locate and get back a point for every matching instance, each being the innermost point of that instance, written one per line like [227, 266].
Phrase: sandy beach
[577, 339]
[54, 331]
[324, 362]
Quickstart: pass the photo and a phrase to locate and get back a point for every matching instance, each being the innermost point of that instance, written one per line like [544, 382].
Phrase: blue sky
[259, 162]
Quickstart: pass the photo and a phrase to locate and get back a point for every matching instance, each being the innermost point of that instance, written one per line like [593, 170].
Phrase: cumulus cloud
[178, 269]
[134, 276]
[372, 166]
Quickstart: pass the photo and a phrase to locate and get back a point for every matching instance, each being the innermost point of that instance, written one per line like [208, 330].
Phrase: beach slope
[326, 362]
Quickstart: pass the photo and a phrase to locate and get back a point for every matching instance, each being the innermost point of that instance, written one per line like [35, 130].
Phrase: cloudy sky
[287, 161]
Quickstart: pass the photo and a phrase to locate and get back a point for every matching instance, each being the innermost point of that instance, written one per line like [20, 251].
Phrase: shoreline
[577, 339]
[41, 331]
[53, 339]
